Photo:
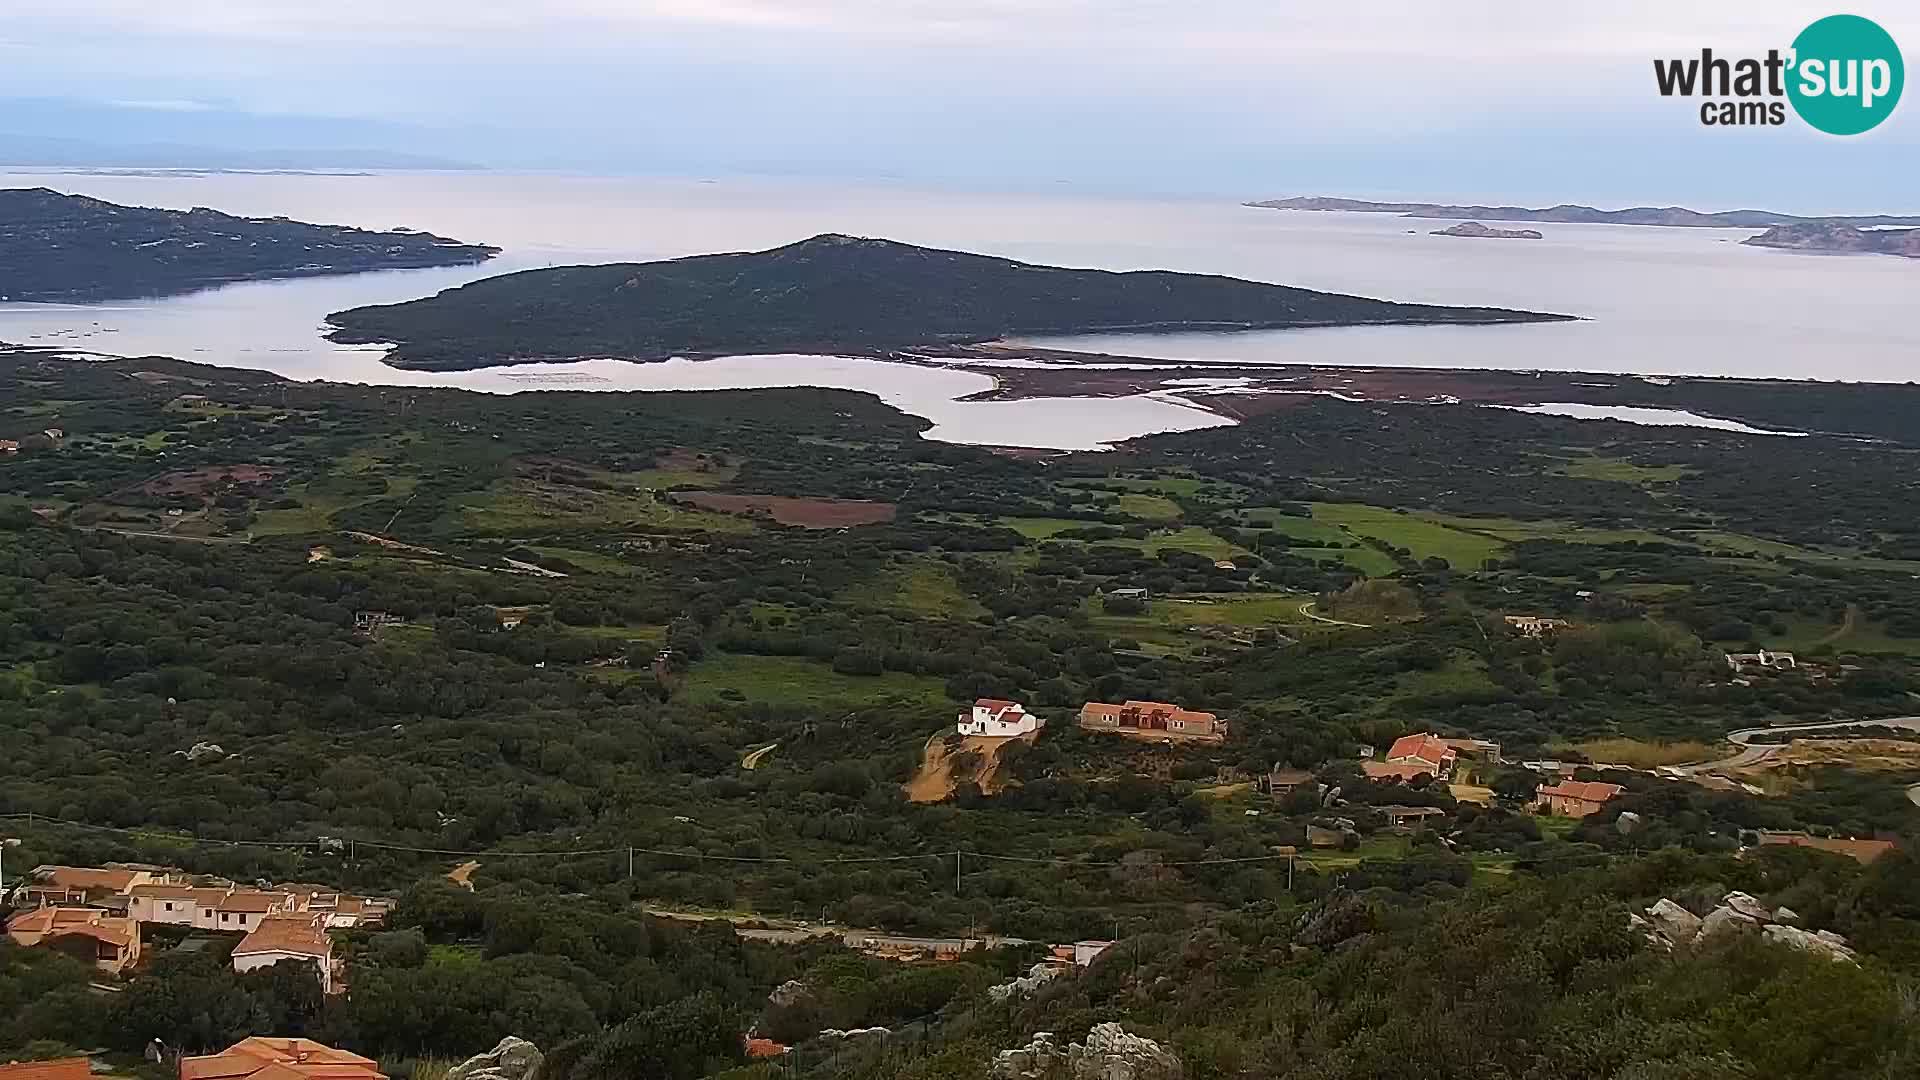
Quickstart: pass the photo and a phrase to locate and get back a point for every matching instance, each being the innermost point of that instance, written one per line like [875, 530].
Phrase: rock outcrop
[1475, 229]
[513, 1059]
[1109, 1053]
[1672, 927]
[1037, 976]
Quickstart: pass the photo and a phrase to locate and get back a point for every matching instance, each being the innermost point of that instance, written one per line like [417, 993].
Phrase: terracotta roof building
[1862, 851]
[1153, 720]
[1575, 798]
[280, 1059]
[301, 938]
[1424, 750]
[81, 884]
[108, 942]
[73, 1068]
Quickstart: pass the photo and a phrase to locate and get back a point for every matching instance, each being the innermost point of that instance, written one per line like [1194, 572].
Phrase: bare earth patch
[935, 780]
[204, 481]
[807, 513]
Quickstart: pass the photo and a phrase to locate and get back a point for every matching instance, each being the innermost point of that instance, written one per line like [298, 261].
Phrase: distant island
[1474, 228]
[1669, 216]
[1839, 238]
[57, 248]
[836, 294]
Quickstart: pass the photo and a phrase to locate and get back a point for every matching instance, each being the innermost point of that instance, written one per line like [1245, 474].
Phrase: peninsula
[841, 294]
[1475, 229]
[1669, 216]
[57, 248]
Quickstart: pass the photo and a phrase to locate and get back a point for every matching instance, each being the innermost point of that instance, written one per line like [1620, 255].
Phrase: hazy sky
[1460, 99]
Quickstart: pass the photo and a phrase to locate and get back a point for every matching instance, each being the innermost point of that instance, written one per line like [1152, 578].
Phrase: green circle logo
[1847, 75]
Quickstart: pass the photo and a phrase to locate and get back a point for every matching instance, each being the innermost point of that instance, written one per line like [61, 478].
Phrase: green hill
[57, 248]
[836, 293]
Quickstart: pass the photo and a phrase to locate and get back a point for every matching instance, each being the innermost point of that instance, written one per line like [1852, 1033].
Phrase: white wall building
[991, 716]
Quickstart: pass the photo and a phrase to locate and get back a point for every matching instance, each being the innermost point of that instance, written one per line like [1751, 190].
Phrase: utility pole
[629, 863]
[957, 856]
[5, 843]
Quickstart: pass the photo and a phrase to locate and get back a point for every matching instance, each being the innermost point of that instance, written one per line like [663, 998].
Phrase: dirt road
[935, 781]
[462, 875]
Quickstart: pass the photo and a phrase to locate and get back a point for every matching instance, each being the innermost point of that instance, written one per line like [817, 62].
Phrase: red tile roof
[252, 902]
[1591, 791]
[280, 1059]
[82, 877]
[73, 1068]
[1421, 747]
[1864, 851]
[300, 935]
[46, 922]
[764, 1048]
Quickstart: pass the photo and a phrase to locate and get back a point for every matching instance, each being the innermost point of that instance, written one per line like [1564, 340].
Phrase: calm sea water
[1658, 301]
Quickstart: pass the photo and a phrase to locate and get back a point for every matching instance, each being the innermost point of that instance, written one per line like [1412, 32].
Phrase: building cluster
[1535, 626]
[1154, 720]
[98, 914]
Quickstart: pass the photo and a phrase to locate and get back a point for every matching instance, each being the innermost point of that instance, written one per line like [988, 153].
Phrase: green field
[924, 587]
[1854, 634]
[1514, 529]
[1186, 487]
[1039, 528]
[591, 561]
[787, 680]
[525, 505]
[1425, 538]
[1191, 538]
[1368, 560]
[1622, 470]
[1165, 621]
[1134, 504]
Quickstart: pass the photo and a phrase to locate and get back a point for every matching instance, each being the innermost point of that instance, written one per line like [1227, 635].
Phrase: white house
[300, 938]
[991, 716]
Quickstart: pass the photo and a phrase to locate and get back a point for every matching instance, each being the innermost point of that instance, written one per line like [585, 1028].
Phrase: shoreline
[1240, 392]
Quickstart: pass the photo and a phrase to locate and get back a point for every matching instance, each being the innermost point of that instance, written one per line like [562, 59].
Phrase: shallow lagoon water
[1658, 301]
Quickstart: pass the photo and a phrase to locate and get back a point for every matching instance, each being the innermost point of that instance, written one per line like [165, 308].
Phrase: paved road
[1746, 735]
[1752, 754]
[1307, 610]
[789, 932]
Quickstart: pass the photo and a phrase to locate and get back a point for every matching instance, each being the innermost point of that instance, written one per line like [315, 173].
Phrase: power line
[958, 854]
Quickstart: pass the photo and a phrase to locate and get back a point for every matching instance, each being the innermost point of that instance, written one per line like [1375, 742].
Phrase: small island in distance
[1838, 238]
[1665, 216]
[1868, 234]
[1475, 229]
[837, 294]
[57, 248]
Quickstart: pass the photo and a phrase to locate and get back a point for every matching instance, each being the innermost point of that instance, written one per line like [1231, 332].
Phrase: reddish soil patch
[808, 513]
[682, 458]
[205, 481]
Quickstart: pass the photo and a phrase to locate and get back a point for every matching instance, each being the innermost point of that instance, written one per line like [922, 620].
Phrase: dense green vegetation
[577, 664]
[834, 293]
[57, 248]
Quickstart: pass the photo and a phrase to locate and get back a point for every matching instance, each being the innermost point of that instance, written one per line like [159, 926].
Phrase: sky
[1462, 100]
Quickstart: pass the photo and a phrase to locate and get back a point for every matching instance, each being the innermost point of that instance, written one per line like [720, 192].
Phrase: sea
[1652, 301]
